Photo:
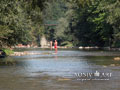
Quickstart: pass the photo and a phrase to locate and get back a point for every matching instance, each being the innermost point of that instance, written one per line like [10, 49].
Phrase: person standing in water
[51, 45]
[55, 46]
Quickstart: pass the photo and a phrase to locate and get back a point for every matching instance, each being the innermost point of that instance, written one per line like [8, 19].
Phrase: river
[61, 71]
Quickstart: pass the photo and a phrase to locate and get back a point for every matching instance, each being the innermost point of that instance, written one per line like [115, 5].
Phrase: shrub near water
[8, 51]
[67, 44]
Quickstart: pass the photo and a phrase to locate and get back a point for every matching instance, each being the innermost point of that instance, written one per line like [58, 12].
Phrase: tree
[54, 10]
[113, 18]
[20, 17]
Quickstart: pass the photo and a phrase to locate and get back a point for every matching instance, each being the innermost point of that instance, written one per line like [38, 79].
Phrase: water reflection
[8, 61]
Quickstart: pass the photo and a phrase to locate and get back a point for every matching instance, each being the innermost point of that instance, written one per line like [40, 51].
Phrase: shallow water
[50, 71]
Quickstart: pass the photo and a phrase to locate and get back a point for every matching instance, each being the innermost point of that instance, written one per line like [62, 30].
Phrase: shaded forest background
[71, 22]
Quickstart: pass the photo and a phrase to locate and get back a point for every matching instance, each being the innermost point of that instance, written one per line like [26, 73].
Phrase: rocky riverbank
[103, 48]
[28, 53]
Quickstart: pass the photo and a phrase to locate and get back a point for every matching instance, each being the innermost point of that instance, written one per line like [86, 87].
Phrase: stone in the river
[117, 58]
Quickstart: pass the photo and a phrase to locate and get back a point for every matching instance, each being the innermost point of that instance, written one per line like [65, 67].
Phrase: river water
[61, 71]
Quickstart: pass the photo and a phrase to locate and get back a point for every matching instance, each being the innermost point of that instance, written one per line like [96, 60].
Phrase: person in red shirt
[55, 46]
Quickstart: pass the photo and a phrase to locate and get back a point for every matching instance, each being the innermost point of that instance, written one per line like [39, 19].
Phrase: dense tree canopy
[19, 21]
[92, 22]
[71, 22]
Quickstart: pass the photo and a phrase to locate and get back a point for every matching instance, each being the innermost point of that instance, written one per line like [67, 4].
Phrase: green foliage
[4, 33]
[113, 18]
[93, 22]
[17, 19]
[67, 44]
[53, 12]
[71, 22]
[8, 51]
